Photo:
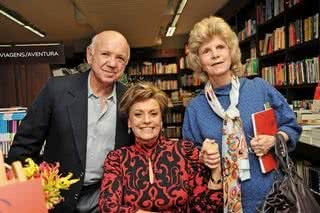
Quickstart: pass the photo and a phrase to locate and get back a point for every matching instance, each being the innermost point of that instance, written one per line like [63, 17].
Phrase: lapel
[78, 113]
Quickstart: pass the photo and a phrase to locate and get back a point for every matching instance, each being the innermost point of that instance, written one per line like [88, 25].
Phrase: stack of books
[307, 117]
[310, 135]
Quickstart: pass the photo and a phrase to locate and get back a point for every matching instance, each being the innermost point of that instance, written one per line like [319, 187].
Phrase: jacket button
[76, 196]
[81, 174]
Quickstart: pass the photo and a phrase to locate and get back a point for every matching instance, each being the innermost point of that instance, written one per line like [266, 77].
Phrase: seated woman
[156, 174]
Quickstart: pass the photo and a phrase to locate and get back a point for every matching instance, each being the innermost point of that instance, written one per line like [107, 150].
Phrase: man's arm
[33, 129]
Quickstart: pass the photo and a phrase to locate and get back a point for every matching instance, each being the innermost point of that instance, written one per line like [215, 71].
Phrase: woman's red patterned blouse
[180, 180]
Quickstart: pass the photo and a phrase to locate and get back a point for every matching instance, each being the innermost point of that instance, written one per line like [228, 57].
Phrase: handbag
[288, 194]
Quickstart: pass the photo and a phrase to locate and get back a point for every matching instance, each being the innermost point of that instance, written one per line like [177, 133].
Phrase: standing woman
[156, 174]
[222, 112]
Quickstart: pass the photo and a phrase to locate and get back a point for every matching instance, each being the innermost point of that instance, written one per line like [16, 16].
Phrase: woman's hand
[209, 154]
[261, 144]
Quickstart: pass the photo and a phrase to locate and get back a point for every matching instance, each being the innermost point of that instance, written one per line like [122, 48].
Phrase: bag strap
[281, 152]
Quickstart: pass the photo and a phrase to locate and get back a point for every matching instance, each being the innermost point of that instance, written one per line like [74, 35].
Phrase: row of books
[305, 71]
[148, 68]
[273, 41]
[304, 104]
[183, 63]
[175, 96]
[167, 84]
[250, 67]
[8, 127]
[182, 97]
[268, 9]
[9, 122]
[172, 132]
[173, 117]
[190, 80]
[250, 29]
[299, 72]
[253, 50]
[10, 119]
[275, 75]
[5, 147]
[303, 30]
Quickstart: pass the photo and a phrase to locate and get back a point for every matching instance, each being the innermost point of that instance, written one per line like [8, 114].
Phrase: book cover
[265, 123]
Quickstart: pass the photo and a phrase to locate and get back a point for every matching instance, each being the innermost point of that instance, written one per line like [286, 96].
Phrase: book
[265, 123]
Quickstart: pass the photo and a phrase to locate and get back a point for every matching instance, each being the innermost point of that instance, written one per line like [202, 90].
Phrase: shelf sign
[32, 53]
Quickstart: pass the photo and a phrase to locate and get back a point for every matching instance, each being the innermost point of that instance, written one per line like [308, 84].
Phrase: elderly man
[78, 118]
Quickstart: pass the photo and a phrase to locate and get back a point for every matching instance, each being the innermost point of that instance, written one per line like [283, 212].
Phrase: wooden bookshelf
[148, 64]
[268, 18]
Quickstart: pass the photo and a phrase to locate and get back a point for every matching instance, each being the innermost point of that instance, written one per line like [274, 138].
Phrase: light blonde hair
[205, 30]
[142, 91]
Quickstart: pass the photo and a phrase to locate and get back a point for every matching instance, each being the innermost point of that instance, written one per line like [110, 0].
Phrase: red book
[317, 92]
[265, 123]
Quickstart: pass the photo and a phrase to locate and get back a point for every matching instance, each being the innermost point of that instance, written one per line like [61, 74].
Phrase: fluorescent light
[181, 6]
[34, 31]
[22, 23]
[170, 31]
[11, 17]
[5, 45]
[43, 44]
[172, 28]
[175, 20]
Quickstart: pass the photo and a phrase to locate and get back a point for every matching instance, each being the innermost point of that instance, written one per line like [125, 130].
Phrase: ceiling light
[170, 31]
[175, 20]
[42, 44]
[34, 31]
[9, 14]
[11, 17]
[181, 6]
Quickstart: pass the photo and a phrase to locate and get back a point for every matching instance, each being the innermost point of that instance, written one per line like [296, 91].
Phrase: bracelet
[216, 181]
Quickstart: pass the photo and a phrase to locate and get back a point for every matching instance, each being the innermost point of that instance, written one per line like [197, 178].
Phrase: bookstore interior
[279, 42]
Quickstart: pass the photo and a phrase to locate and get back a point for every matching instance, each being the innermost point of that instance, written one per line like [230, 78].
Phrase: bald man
[78, 118]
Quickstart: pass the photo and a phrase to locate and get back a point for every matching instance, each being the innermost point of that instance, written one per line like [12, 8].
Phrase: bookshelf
[279, 41]
[10, 119]
[282, 38]
[167, 69]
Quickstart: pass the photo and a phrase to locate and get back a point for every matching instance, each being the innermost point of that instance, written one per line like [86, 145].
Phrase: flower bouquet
[52, 181]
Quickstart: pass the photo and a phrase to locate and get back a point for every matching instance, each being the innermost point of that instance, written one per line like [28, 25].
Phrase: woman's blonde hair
[142, 91]
[205, 30]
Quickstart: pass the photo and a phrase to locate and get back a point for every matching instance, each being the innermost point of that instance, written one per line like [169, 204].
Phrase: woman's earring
[129, 131]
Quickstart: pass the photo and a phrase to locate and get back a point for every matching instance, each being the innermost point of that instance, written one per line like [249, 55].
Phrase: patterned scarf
[235, 162]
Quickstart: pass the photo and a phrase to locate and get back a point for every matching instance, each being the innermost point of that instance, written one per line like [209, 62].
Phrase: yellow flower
[66, 182]
[52, 182]
[31, 169]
